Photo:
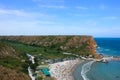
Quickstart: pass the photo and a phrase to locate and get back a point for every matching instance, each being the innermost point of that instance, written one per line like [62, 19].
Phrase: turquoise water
[103, 71]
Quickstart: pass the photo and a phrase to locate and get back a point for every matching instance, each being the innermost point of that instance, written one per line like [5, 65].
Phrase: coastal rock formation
[10, 74]
[73, 44]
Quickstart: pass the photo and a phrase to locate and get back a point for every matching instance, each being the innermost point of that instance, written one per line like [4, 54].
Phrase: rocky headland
[13, 61]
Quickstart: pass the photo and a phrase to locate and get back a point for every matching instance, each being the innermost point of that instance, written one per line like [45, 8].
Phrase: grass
[14, 63]
[47, 52]
[10, 62]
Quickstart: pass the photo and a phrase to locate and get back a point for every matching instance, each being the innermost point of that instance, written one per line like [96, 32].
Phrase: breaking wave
[85, 68]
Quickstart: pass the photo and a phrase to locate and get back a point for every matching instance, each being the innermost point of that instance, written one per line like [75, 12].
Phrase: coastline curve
[85, 68]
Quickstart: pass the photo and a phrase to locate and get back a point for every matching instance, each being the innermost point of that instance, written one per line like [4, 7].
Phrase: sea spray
[85, 68]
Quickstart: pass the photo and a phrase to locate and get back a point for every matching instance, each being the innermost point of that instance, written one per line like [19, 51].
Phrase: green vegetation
[24, 48]
[21, 49]
[10, 62]
[14, 63]
[47, 52]
[43, 48]
[40, 78]
[51, 44]
[2, 44]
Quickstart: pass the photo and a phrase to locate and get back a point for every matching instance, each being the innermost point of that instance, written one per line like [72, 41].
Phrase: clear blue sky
[100, 18]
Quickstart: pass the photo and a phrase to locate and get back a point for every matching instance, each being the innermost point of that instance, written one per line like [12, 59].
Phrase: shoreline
[75, 66]
[64, 70]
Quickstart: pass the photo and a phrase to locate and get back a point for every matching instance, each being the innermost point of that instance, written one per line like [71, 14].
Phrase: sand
[64, 70]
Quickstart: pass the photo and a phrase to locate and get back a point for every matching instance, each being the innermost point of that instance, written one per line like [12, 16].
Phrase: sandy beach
[64, 70]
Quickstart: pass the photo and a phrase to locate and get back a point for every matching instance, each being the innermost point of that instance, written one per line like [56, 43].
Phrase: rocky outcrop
[9, 74]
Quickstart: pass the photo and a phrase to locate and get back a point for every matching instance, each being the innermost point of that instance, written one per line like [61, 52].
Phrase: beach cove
[64, 70]
[99, 70]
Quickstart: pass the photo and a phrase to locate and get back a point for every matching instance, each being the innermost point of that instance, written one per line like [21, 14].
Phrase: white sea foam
[85, 68]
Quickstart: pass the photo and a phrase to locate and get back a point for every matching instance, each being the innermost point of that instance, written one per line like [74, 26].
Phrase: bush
[40, 78]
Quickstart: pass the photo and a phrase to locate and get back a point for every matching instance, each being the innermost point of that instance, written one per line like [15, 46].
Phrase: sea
[98, 70]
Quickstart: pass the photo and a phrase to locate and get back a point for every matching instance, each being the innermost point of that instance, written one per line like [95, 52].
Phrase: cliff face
[73, 44]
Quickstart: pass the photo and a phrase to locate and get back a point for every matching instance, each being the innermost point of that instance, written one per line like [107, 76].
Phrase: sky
[99, 18]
